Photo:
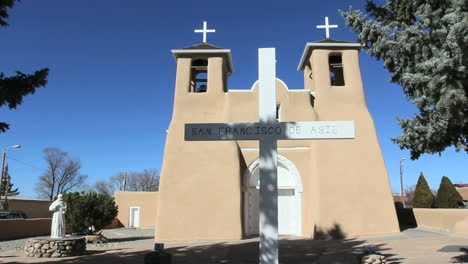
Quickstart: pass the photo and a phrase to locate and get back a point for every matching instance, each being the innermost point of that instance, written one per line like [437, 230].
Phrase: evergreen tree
[424, 45]
[85, 210]
[6, 181]
[14, 88]
[447, 196]
[423, 197]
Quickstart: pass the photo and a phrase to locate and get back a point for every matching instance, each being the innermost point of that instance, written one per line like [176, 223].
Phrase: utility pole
[401, 182]
[1, 177]
[125, 182]
[2, 207]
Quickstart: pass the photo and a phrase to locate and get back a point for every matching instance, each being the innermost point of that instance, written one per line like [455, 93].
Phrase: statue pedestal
[55, 247]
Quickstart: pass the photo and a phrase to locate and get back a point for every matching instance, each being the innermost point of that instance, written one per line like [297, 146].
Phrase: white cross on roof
[327, 27]
[204, 31]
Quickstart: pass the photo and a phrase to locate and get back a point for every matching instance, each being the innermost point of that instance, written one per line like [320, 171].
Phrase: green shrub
[447, 196]
[423, 197]
[86, 210]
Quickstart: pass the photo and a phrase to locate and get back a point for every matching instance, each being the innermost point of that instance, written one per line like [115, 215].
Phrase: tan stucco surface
[19, 228]
[461, 227]
[345, 182]
[32, 208]
[448, 220]
[463, 191]
[147, 201]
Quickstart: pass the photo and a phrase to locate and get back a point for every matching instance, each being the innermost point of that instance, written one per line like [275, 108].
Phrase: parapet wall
[447, 220]
[32, 208]
[20, 228]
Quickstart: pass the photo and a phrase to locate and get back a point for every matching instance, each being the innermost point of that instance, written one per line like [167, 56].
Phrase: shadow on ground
[127, 239]
[297, 251]
[462, 258]
[331, 248]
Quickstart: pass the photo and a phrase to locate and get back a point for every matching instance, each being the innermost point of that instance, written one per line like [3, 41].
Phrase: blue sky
[110, 91]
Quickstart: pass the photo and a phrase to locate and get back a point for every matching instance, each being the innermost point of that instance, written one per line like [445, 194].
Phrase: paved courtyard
[413, 246]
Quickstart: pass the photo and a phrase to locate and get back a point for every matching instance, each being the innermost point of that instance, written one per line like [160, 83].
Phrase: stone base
[55, 247]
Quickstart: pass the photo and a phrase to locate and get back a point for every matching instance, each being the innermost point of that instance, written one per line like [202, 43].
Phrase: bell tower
[331, 70]
[199, 176]
[202, 73]
[332, 73]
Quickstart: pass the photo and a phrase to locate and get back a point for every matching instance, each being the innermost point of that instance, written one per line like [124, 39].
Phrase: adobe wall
[147, 201]
[208, 206]
[20, 228]
[345, 181]
[448, 220]
[353, 185]
[463, 191]
[32, 208]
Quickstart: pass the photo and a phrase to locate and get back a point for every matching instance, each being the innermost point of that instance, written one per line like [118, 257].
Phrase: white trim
[207, 51]
[298, 189]
[295, 90]
[130, 222]
[176, 52]
[303, 90]
[253, 85]
[300, 90]
[239, 90]
[311, 45]
[277, 79]
[287, 148]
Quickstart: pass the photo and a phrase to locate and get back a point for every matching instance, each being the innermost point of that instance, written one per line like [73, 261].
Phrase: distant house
[462, 189]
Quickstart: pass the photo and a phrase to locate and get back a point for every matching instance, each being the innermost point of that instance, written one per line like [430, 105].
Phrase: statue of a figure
[58, 219]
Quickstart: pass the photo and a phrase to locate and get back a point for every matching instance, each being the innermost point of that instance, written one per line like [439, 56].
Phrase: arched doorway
[289, 198]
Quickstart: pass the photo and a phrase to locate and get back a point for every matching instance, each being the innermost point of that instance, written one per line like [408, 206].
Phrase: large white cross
[327, 27]
[204, 31]
[268, 131]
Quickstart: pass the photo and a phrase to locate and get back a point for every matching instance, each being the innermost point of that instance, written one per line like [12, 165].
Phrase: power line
[24, 163]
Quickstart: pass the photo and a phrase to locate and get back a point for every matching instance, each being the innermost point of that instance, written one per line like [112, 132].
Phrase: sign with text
[278, 131]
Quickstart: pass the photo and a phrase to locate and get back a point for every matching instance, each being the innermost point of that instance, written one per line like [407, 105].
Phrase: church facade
[209, 190]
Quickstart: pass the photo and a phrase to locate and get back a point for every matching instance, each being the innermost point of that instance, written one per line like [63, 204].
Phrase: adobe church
[209, 190]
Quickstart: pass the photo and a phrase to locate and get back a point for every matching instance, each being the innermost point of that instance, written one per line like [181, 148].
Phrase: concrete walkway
[413, 246]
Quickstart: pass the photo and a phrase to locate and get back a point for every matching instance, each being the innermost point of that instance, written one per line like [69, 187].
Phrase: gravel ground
[120, 237]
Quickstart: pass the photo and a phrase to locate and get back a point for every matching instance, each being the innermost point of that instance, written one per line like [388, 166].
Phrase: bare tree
[119, 181]
[409, 192]
[146, 181]
[105, 187]
[62, 174]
